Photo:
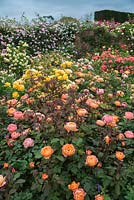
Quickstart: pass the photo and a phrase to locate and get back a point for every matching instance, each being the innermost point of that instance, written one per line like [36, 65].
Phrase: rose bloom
[11, 111]
[10, 142]
[31, 164]
[6, 165]
[24, 97]
[47, 152]
[129, 134]
[88, 152]
[119, 155]
[107, 139]
[91, 160]
[12, 127]
[15, 135]
[79, 194]
[18, 115]
[129, 115]
[100, 123]
[44, 176]
[107, 119]
[120, 136]
[26, 131]
[64, 97]
[99, 197]
[82, 112]
[28, 142]
[124, 104]
[2, 181]
[100, 91]
[73, 186]
[68, 150]
[70, 126]
[12, 102]
[117, 103]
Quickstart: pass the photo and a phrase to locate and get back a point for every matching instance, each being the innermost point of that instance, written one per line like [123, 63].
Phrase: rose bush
[67, 128]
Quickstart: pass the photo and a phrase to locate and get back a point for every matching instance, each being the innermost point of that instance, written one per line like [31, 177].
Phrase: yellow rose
[15, 95]
[7, 84]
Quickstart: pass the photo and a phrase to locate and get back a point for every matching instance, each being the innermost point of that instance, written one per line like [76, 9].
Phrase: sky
[58, 8]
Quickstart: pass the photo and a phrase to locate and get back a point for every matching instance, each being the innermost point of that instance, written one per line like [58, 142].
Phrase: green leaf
[19, 181]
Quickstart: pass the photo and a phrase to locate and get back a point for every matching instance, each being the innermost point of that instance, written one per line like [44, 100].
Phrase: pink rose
[18, 115]
[24, 97]
[129, 115]
[28, 142]
[100, 91]
[124, 104]
[129, 134]
[12, 127]
[15, 135]
[107, 119]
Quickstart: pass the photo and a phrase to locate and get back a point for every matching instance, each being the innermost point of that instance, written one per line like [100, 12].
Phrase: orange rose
[73, 186]
[91, 160]
[82, 112]
[68, 150]
[107, 139]
[117, 103]
[79, 194]
[11, 111]
[99, 197]
[115, 118]
[6, 165]
[119, 155]
[31, 164]
[46, 152]
[70, 126]
[110, 95]
[44, 176]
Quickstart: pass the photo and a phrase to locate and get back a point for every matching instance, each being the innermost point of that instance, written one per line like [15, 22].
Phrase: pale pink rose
[129, 115]
[28, 142]
[100, 91]
[129, 134]
[12, 127]
[107, 119]
[18, 115]
[26, 131]
[15, 135]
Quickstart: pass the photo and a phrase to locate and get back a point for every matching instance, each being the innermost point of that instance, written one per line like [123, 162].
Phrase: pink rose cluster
[28, 142]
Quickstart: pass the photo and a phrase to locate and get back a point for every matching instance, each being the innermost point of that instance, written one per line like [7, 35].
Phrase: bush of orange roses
[67, 133]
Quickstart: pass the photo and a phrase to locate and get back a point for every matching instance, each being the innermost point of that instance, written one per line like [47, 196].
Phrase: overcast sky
[57, 8]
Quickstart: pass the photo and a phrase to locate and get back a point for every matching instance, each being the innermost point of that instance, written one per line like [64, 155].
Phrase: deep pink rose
[129, 115]
[28, 142]
[129, 134]
[18, 115]
[12, 127]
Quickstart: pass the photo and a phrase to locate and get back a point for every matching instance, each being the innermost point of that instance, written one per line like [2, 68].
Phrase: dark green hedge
[113, 15]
